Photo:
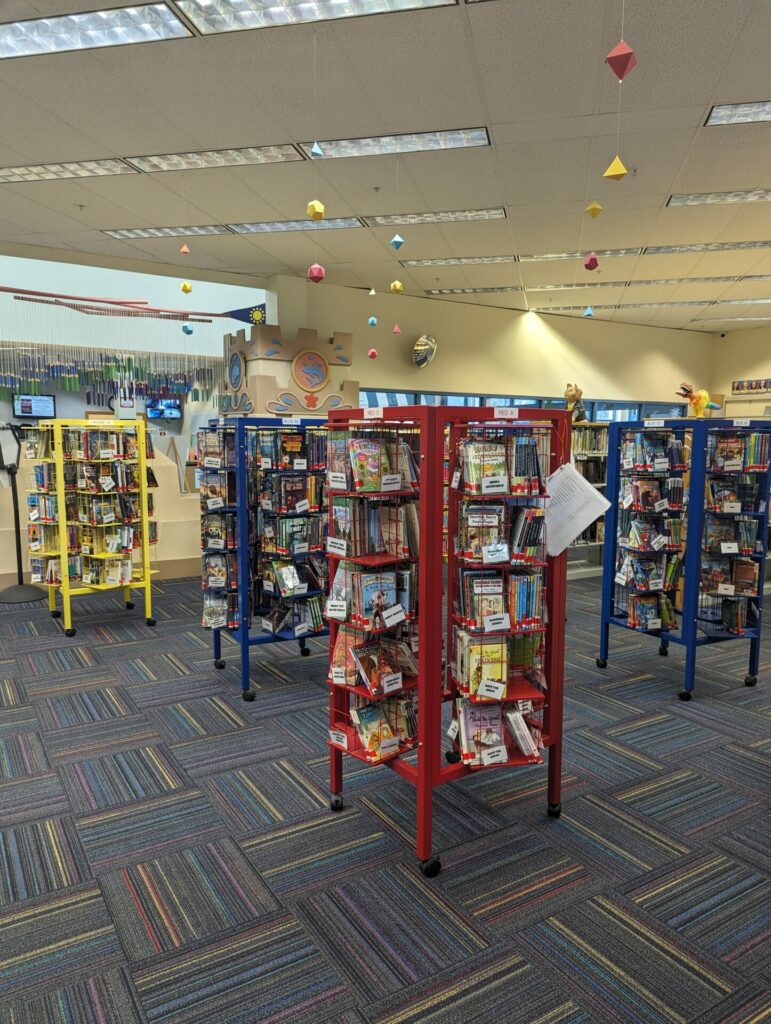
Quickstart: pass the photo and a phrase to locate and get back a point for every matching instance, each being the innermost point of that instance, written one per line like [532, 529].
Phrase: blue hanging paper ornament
[372, 321]
[316, 150]
[588, 311]
[186, 329]
[396, 242]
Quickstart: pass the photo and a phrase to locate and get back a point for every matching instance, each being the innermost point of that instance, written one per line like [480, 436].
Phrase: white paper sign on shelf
[628, 464]
[337, 546]
[731, 465]
[216, 580]
[495, 553]
[299, 590]
[373, 414]
[389, 746]
[455, 480]
[300, 547]
[212, 503]
[266, 504]
[291, 421]
[491, 689]
[212, 462]
[268, 585]
[496, 623]
[627, 502]
[391, 482]
[620, 578]
[393, 615]
[336, 481]
[107, 483]
[659, 542]
[729, 548]
[654, 624]
[338, 737]
[741, 423]
[655, 584]
[732, 506]
[106, 453]
[338, 675]
[660, 465]
[336, 609]
[34, 545]
[453, 729]
[660, 506]
[266, 463]
[215, 543]
[34, 515]
[301, 629]
[37, 577]
[726, 589]
[495, 755]
[504, 412]
[573, 506]
[391, 682]
[300, 463]
[302, 506]
[494, 484]
[653, 423]
[268, 530]
[108, 516]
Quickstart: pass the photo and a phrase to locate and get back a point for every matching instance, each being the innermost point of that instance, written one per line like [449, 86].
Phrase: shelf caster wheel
[336, 802]
[684, 695]
[247, 695]
[129, 605]
[430, 867]
[554, 810]
[663, 651]
[305, 651]
[219, 663]
[69, 632]
[601, 663]
[150, 622]
[451, 756]
[750, 680]
[56, 614]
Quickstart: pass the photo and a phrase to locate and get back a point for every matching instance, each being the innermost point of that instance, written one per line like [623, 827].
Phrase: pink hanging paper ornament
[184, 249]
[396, 329]
[372, 354]
[316, 273]
[621, 60]
[590, 261]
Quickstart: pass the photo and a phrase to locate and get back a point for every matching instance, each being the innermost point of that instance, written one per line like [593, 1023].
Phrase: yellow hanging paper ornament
[315, 209]
[616, 170]
[397, 287]
[594, 209]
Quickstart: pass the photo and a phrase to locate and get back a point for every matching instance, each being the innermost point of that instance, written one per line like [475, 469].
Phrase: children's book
[481, 729]
[374, 664]
[369, 463]
[373, 728]
[343, 668]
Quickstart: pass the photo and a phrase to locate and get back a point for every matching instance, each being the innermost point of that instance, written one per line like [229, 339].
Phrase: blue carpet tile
[168, 855]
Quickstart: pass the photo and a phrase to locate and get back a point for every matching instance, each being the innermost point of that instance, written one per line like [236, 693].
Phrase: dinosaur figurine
[699, 400]
[574, 397]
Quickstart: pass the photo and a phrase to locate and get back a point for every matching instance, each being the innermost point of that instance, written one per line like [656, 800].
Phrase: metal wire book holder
[687, 535]
[387, 588]
[10, 451]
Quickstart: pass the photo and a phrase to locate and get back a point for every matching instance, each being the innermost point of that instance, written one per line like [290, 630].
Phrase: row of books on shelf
[731, 535]
[716, 614]
[483, 666]
[490, 734]
[367, 526]
[299, 619]
[517, 465]
[653, 451]
[82, 569]
[292, 535]
[380, 729]
[292, 579]
[733, 494]
[88, 541]
[647, 611]
[729, 577]
[649, 494]
[734, 452]
[217, 489]
[492, 532]
[647, 571]
[292, 492]
[291, 449]
[90, 444]
[371, 464]
[381, 665]
[90, 476]
[654, 534]
[589, 440]
[372, 600]
[94, 509]
[490, 601]
[592, 470]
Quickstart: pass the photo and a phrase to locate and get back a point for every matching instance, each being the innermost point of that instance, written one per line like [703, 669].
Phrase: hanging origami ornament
[616, 170]
[594, 210]
[396, 242]
[588, 311]
[372, 354]
[372, 291]
[396, 329]
[590, 261]
[621, 60]
[315, 209]
[186, 329]
[184, 249]
[316, 150]
[186, 287]
[372, 321]
[397, 287]
[316, 273]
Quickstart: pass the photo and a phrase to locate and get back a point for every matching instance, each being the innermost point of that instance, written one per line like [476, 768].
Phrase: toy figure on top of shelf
[698, 400]
[573, 394]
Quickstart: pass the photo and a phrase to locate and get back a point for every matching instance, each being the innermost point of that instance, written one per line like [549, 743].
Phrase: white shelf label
[336, 481]
[627, 502]
[36, 577]
[496, 623]
[215, 543]
[266, 463]
[35, 545]
[731, 465]
[302, 506]
[620, 578]
[108, 516]
[729, 548]
[268, 585]
[290, 421]
[337, 546]
[336, 609]
[660, 465]
[373, 414]
[299, 590]
[492, 553]
[266, 504]
[107, 483]
[654, 624]
[660, 506]
[212, 462]
[659, 542]
[653, 423]
[216, 580]
[503, 412]
[338, 675]
[454, 729]
[726, 589]
[212, 503]
[268, 531]
[300, 547]
[455, 482]
[741, 423]
[495, 755]
[391, 482]
[655, 584]
[393, 615]
[106, 453]
[494, 484]
[391, 682]
[628, 464]
[34, 515]
[389, 746]
[492, 689]
[85, 549]
[301, 629]
[732, 506]
[338, 737]
[300, 463]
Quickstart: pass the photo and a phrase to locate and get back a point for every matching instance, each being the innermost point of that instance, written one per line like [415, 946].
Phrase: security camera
[722, 334]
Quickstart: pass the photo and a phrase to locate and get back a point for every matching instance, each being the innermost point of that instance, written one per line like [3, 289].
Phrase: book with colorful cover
[373, 728]
[369, 463]
[374, 663]
[488, 661]
[342, 666]
[481, 729]
[481, 461]
[377, 592]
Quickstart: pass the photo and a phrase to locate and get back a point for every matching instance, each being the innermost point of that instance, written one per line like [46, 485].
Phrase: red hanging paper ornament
[621, 60]
[316, 273]
[590, 261]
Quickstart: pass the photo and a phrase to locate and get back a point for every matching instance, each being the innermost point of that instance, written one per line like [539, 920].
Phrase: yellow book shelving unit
[89, 526]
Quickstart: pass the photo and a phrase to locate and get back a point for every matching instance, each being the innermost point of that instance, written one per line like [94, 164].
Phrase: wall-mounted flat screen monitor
[38, 407]
[163, 409]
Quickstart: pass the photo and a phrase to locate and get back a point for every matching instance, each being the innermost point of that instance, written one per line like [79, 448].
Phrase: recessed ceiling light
[118, 27]
[472, 291]
[50, 172]
[669, 250]
[568, 309]
[729, 319]
[183, 232]
[756, 195]
[659, 305]
[416, 142]
[740, 113]
[741, 302]
[264, 227]
[210, 16]
[604, 253]
[215, 158]
[449, 217]
[579, 286]
[459, 261]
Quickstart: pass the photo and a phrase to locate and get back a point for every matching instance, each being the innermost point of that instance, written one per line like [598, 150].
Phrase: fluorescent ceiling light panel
[671, 250]
[741, 302]
[450, 217]
[602, 253]
[757, 195]
[211, 16]
[215, 158]
[472, 291]
[265, 227]
[729, 319]
[740, 113]
[185, 232]
[118, 27]
[52, 172]
[417, 142]
[578, 285]
[459, 261]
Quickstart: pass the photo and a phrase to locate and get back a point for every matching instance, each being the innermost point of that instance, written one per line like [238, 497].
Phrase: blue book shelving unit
[251, 517]
[722, 534]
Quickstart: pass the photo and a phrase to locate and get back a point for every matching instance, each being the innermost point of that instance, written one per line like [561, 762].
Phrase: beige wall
[742, 355]
[497, 351]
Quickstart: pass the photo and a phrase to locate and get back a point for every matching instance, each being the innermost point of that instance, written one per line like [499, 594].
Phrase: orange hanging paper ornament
[621, 60]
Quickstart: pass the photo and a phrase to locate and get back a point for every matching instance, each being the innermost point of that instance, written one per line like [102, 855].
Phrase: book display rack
[687, 535]
[490, 644]
[589, 443]
[263, 568]
[88, 514]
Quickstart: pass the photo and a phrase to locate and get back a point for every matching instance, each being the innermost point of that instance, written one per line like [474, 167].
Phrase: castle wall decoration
[305, 380]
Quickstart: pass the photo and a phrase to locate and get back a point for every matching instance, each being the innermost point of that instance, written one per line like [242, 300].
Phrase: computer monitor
[163, 409]
[36, 407]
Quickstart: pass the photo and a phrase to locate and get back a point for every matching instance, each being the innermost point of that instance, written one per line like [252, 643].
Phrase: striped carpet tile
[305, 731]
[387, 929]
[604, 760]
[122, 631]
[55, 660]
[718, 904]
[30, 629]
[148, 695]
[271, 972]
[208, 716]
[115, 838]
[99, 738]
[496, 985]
[297, 858]
[102, 999]
[293, 695]
[628, 968]
[121, 778]
[12, 693]
[18, 719]
[31, 797]
[751, 1005]
[47, 941]
[356, 774]
[68, 682]
[687, 802]
[264, 794]
[508, 793]
[150, 669]
[661, 735]
[192, 894]
[40, 857]
[21, 754]
[750, 842]
[84, 708]
[737, 725]
[212, 754]
[747, 768]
